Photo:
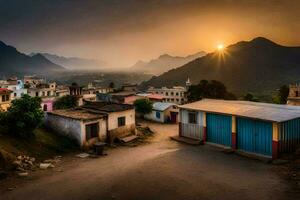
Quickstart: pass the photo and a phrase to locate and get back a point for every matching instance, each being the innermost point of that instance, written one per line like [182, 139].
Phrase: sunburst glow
[220, 47]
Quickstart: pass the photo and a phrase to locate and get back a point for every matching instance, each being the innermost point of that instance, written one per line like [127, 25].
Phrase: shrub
[65, 102]
[23, 116]
[143, 106]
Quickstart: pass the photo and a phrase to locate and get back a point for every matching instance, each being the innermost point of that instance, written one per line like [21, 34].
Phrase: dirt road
[162, 169]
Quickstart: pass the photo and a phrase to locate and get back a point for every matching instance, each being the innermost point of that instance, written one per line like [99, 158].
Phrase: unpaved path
[162, 169]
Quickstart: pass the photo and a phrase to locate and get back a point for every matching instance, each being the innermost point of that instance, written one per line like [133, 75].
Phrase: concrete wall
[65, 126]
[113, 118]
[152, 116]
[75, 129]
[114, 131]
[16, 94]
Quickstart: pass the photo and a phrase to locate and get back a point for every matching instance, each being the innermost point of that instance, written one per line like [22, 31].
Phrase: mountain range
[12, 62]
[164, 63]
[259, 66]
[74, 63]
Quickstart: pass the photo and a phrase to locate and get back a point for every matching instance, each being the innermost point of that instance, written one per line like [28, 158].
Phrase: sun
[220, 47]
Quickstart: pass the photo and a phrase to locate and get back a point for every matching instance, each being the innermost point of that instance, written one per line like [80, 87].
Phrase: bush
[23, 116]
[65, 102]
[143, 106]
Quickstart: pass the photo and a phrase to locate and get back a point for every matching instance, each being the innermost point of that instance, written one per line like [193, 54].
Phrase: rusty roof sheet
[263, 111]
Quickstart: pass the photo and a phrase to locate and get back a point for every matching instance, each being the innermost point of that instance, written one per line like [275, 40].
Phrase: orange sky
[122, 32]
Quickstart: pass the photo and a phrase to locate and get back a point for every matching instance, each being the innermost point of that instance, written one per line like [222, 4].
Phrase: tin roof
[160, 106]
[263, 111]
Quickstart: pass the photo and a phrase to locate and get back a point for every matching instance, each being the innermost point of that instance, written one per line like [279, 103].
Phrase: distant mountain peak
[164, 62]
[165, 56]
[13, 62]
[262, 40]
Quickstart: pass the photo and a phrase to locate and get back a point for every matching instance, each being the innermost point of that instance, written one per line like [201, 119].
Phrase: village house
[176, 94]
[130, 87]
[294, 95]
[32, 81]
[120, 118]
[126, 97]
[257, 129]
[47, 92]
[61, 91]
[90, 92]
[5, 99]
[163, 112]
[95, 121]
[79, 124]
[16, 86]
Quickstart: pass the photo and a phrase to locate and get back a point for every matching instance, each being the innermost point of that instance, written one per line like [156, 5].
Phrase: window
[6, 97]
[3, 98]
[177, 94]
[15, 94]
[157, 114]
[172, 93]
[297, 93]
[167, 93]
[91, 130]
[121, 121]
[192, 118]
[48, 93]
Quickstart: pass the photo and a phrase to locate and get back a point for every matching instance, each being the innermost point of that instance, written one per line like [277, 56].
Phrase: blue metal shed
[254, 136]
[219, 129]
[289, 137]
[259, 128]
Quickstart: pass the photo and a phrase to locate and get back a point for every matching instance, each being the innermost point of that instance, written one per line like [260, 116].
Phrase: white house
[95, 121]
[163, 112]
[83, 126]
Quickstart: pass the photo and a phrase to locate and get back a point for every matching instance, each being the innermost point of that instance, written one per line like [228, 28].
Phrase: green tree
[209, 89]
[24, 116]
[143, 106]
[282, 95]
[250, 97]
[65, 102]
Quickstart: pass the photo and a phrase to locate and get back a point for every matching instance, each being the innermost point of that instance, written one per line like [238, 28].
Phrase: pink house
[47, 105]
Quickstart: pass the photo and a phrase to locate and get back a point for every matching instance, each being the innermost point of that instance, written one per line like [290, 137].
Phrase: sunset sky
[124, 31]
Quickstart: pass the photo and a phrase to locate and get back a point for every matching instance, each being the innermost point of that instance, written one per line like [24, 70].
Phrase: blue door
[218, 129]
[254, 136]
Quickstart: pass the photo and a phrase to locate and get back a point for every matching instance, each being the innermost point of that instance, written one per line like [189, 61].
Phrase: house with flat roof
[259, 129]
[83, 126]
[120, 118]
[95, 121]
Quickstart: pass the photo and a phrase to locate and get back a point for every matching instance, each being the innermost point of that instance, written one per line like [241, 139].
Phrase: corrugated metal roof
[160, 106]
[263, 111]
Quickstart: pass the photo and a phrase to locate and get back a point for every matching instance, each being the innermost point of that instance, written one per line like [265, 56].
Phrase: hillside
[74, 63]
[259, 66]
[164, 63]
[12, 62]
